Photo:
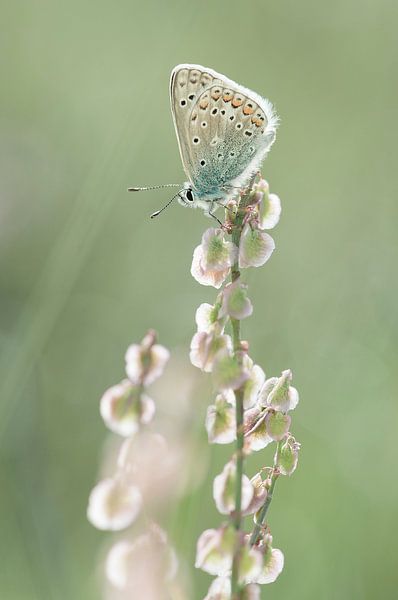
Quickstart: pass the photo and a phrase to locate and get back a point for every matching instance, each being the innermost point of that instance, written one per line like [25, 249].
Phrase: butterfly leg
[210, 213]
[227, 225]
[216, 218]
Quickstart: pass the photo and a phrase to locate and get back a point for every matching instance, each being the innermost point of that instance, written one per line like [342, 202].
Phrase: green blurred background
[84, 112]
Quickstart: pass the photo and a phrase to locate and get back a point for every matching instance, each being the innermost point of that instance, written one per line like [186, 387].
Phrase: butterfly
[224, 132]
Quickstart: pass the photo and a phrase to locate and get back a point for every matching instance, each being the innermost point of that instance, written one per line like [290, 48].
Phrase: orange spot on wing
[237, 102]
[227, 96]
[257, 122]
[247, 110]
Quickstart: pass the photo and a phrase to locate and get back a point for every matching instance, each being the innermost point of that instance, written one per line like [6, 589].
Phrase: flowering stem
[264, 509]
[235, 324]
[238, 491]
[237, 519]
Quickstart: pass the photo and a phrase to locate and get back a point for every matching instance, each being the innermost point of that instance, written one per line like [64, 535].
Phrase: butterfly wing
[224, 130]
[186, 84]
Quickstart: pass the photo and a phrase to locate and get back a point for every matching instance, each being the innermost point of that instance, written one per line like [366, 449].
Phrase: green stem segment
[260, 517]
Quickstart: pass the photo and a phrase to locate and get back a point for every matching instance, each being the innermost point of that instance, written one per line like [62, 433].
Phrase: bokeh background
[84, 112]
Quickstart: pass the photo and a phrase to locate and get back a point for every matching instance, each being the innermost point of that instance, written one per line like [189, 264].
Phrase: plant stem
[235, 323]
[237, 517]
[264, 509]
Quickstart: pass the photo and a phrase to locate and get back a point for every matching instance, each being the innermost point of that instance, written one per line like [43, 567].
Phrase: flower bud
[220, 589]
[277, 424]
[278, 393]
[244, 346]
[228, 372]
[272, 567]
[215, 549]
[224, 490]
[221, 419]
[124, 408]
[205, 348]
[235, 302]
[250, 564]
[255, 428]
[113, 505]
[259, 495]
[145, 362]
[127, 564]
[212, 260]
[217, 253]
[269, 207]
[288, 456]
[207, 317]
[255, 247]
[254, 383]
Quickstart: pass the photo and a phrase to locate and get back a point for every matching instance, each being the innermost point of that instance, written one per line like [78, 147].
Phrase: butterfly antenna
[157, 212]
[152, 187]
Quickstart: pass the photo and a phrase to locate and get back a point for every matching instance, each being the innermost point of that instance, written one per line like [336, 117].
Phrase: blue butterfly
[224, 132]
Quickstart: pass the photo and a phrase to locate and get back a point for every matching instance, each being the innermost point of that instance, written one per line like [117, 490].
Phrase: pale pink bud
[255, 247]
[212, 260]
[217, 253]
[272, 567]
[259, 495]
[278, 393]
[213, 278]
[221, 419]
[205, 347]
[255, 427]
[224, 490]
[235, 302]
[124, 408]
[117, 565]
[207, 317]
[269, 206]
[145, 362]
[220, 589]
[277, 424]
[244, 346]
[254, 382]
[215, 549]
[228, 372]
[288, 456]
[113, 505]
[250, 564]
[128, 562]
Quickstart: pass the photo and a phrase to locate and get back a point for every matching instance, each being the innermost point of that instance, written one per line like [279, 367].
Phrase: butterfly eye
[189, 195]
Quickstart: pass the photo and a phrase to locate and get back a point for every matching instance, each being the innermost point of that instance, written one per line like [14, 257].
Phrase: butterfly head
[186, 196]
